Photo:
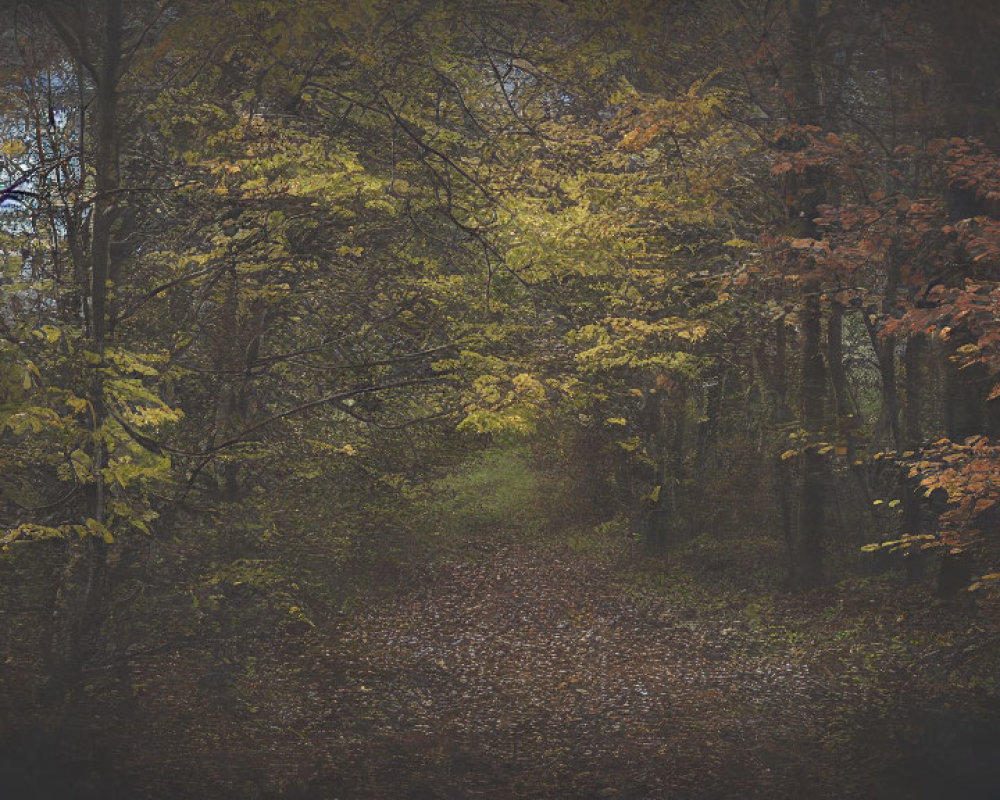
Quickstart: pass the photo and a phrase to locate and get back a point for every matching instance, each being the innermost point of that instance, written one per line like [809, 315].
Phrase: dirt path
[531, 674]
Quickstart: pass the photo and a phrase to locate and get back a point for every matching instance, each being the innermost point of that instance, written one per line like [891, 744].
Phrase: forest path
[534, 672]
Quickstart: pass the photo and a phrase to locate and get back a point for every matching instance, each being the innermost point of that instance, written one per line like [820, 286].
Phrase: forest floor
[515, 662]
[536, 673]
[535, 670]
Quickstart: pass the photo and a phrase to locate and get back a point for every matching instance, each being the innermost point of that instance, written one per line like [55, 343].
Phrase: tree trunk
[913, 356]
[812, 505]
[804, 29]
[835, 362]
[83, 584]
[886, 350]
[105, 209]
[916, 348]
[782, 411]
[963, 400]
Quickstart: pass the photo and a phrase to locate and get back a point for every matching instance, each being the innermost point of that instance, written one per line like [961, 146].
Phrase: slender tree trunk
[83, 583]
[916, 348]
[227, 365]
[654, 525]
[782, 412]
[674, 480]
[886, 349]
[812, 507]
[708, 426]
[105, 209]
[916, 351]
[835, 362]
[804, 31]
[963, 400]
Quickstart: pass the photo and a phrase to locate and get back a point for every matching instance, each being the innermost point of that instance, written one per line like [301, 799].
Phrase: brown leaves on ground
[535, 674]
[535, 671]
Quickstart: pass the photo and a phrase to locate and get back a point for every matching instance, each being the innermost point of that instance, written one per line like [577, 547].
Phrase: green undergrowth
[488, 498]
[707, 574]
[483, 500]
[494, 495]
[336, 543]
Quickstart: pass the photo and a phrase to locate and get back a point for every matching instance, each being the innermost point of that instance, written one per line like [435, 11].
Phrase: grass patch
[495, 492]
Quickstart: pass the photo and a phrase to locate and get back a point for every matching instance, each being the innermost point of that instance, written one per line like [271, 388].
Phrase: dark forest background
[679, 316]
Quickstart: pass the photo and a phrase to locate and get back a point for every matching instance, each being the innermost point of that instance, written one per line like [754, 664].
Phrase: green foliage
[497, 491]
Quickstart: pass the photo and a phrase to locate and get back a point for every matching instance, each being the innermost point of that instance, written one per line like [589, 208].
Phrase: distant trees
[795, 216]
[876, 242]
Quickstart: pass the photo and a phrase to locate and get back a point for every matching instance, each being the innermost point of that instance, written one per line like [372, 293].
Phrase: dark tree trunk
[782, 412]
[83, 585]
[916, 351]
[916, 348]
[890, 395]
[963, 401]
[808, 569]
[835, 361]
[812, 504]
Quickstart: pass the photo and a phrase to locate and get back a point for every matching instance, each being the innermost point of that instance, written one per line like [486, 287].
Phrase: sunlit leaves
[504, 405]
[634, 343]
